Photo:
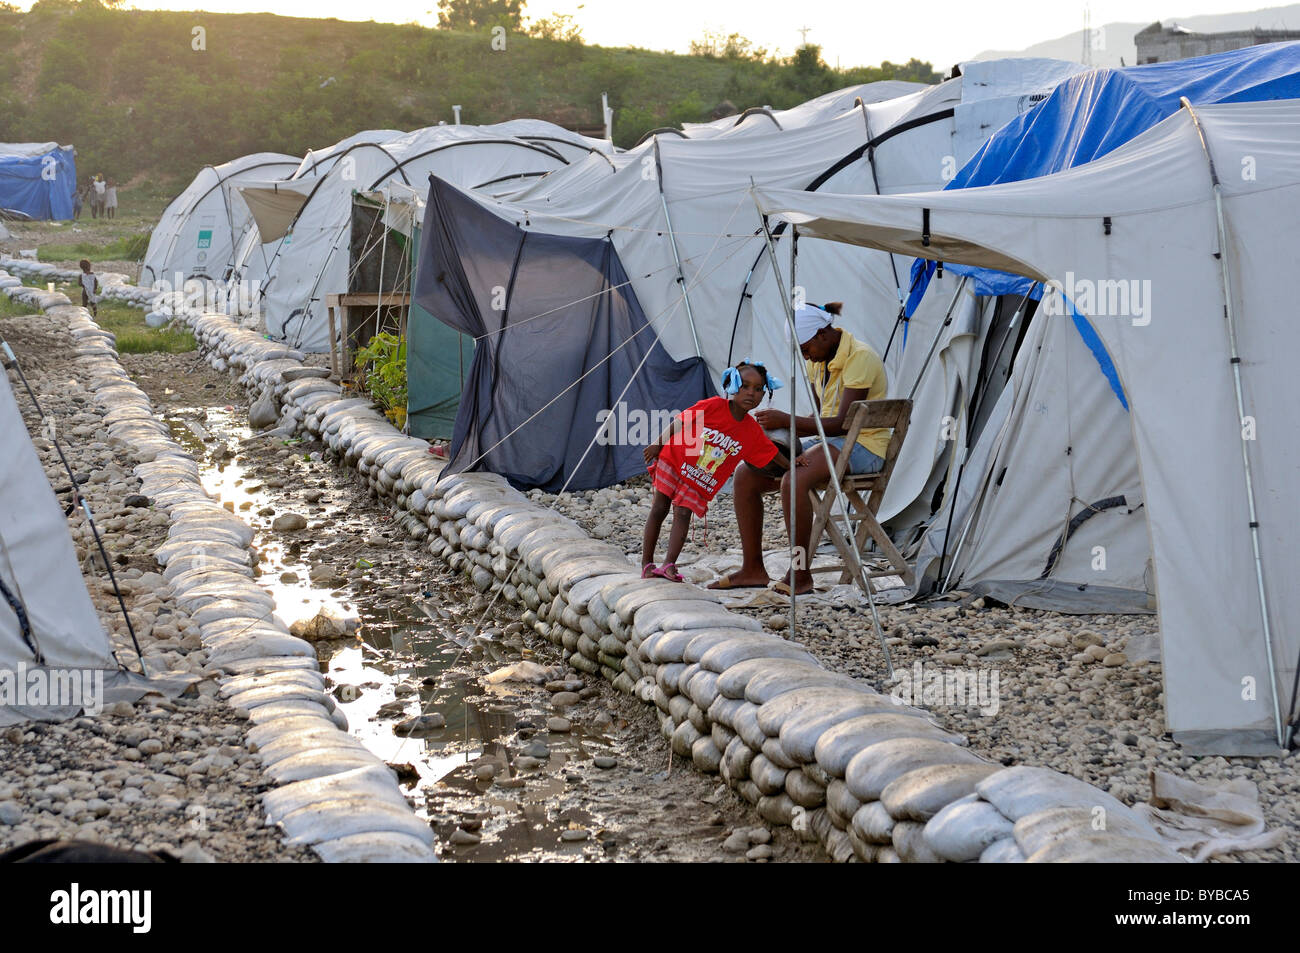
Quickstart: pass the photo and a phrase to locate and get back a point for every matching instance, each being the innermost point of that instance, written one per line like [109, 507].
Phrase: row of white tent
[1027, 471]
[280, 225]
[681, 208]
[1207, 372]
[678, 205]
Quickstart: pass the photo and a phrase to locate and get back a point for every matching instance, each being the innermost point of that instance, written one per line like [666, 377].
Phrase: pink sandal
[669, 571]
[648, 571]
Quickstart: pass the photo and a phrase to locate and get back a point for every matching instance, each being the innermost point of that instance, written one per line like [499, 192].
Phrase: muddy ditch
[553, 765]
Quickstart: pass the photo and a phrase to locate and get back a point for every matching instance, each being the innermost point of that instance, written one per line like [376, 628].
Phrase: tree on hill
[477, 14]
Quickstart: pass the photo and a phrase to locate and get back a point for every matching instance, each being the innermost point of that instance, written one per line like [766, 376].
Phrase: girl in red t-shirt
[693, 458]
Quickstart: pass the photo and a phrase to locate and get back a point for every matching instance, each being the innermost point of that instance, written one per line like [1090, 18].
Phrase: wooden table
[358, 328]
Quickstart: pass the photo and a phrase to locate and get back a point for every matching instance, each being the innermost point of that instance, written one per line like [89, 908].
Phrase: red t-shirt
[712, 443]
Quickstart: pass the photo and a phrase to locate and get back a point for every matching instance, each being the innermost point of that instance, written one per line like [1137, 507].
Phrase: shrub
[383, 363]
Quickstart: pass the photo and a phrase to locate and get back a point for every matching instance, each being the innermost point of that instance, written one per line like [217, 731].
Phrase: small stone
[574, 834]
[997, 647]
[602, 531]
[10, 813]
[528, 763]
[288, 578]
[921, 641]
[604, 762]
[485, 770]
[761, 852]
[1082, 640]
[347, 693]
[463, 838]
[136, 500]
[737, 842]
[421, 725]
[564, 699]
[1114, 659]
[313, 496]
[558, 725]
[559, 685]
[289, 522]
[535, 749]
[150, 746]
[759, 835]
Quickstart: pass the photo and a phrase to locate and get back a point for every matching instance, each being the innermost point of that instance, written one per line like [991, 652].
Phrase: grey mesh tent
[561, 340]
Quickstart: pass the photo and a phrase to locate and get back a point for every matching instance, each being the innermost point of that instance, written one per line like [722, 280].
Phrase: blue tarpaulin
[40, 186]
[1093, 113]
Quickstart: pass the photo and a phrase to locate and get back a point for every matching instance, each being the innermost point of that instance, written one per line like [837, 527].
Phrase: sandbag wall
[870, 779]
[335, 795]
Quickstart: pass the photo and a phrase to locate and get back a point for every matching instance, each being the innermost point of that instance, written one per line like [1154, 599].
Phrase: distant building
[1161, 44]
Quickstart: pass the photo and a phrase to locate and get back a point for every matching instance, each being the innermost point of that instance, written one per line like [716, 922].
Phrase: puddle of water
[404, 661]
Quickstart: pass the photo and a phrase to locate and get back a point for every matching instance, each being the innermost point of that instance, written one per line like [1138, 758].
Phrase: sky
[850, 33]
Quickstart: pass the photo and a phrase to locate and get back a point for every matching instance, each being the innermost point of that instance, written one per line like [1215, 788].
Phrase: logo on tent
[205, 238]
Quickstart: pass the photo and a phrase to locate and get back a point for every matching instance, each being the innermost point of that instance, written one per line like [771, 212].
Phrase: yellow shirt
[857, 367]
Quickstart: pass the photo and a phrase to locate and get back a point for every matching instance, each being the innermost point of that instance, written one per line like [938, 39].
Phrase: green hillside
[140, 102]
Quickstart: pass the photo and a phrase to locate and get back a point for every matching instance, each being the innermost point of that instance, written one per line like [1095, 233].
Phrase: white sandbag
[963, 830]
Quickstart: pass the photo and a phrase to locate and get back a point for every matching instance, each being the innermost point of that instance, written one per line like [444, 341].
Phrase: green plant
[383, 362]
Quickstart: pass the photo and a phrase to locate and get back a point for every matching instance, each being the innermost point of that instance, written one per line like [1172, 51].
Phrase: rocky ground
[1069, 696]
[160, 774]
[570, 770]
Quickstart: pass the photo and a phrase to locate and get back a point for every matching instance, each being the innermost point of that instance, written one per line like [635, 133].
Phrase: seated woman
[843, 370]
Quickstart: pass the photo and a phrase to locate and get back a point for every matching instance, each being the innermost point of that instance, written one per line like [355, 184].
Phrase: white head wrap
[808, 320]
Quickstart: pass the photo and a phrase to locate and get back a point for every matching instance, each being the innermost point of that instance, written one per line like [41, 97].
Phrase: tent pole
[1230, 322]
[947, 320]
[875, 180]
[860, 572]
[795, 545]
[672, 240]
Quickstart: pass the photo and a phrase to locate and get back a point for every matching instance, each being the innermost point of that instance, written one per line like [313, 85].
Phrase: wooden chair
[863, 415]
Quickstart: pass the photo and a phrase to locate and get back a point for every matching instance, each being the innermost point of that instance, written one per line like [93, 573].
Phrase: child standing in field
[89, 288]
[692, 459]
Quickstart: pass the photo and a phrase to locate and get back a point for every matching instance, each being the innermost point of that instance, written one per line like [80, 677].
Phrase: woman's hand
[651, 452]
[772, 419]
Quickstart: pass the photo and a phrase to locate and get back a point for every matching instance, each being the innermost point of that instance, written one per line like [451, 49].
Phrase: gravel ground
[504, 779]
[159, 774]
[1069, 697]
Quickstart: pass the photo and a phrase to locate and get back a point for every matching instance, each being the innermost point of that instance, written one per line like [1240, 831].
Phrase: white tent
[1209, 397]
[682, 206]
[697, 189]
[308, 219]
[195, 237]
[47, 622]
[759, 119]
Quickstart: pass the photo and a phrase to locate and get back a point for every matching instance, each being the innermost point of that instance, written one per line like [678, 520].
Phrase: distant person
[77, 204]
[110, 199]
[89, 288]
[99, 187]
[693, 458]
